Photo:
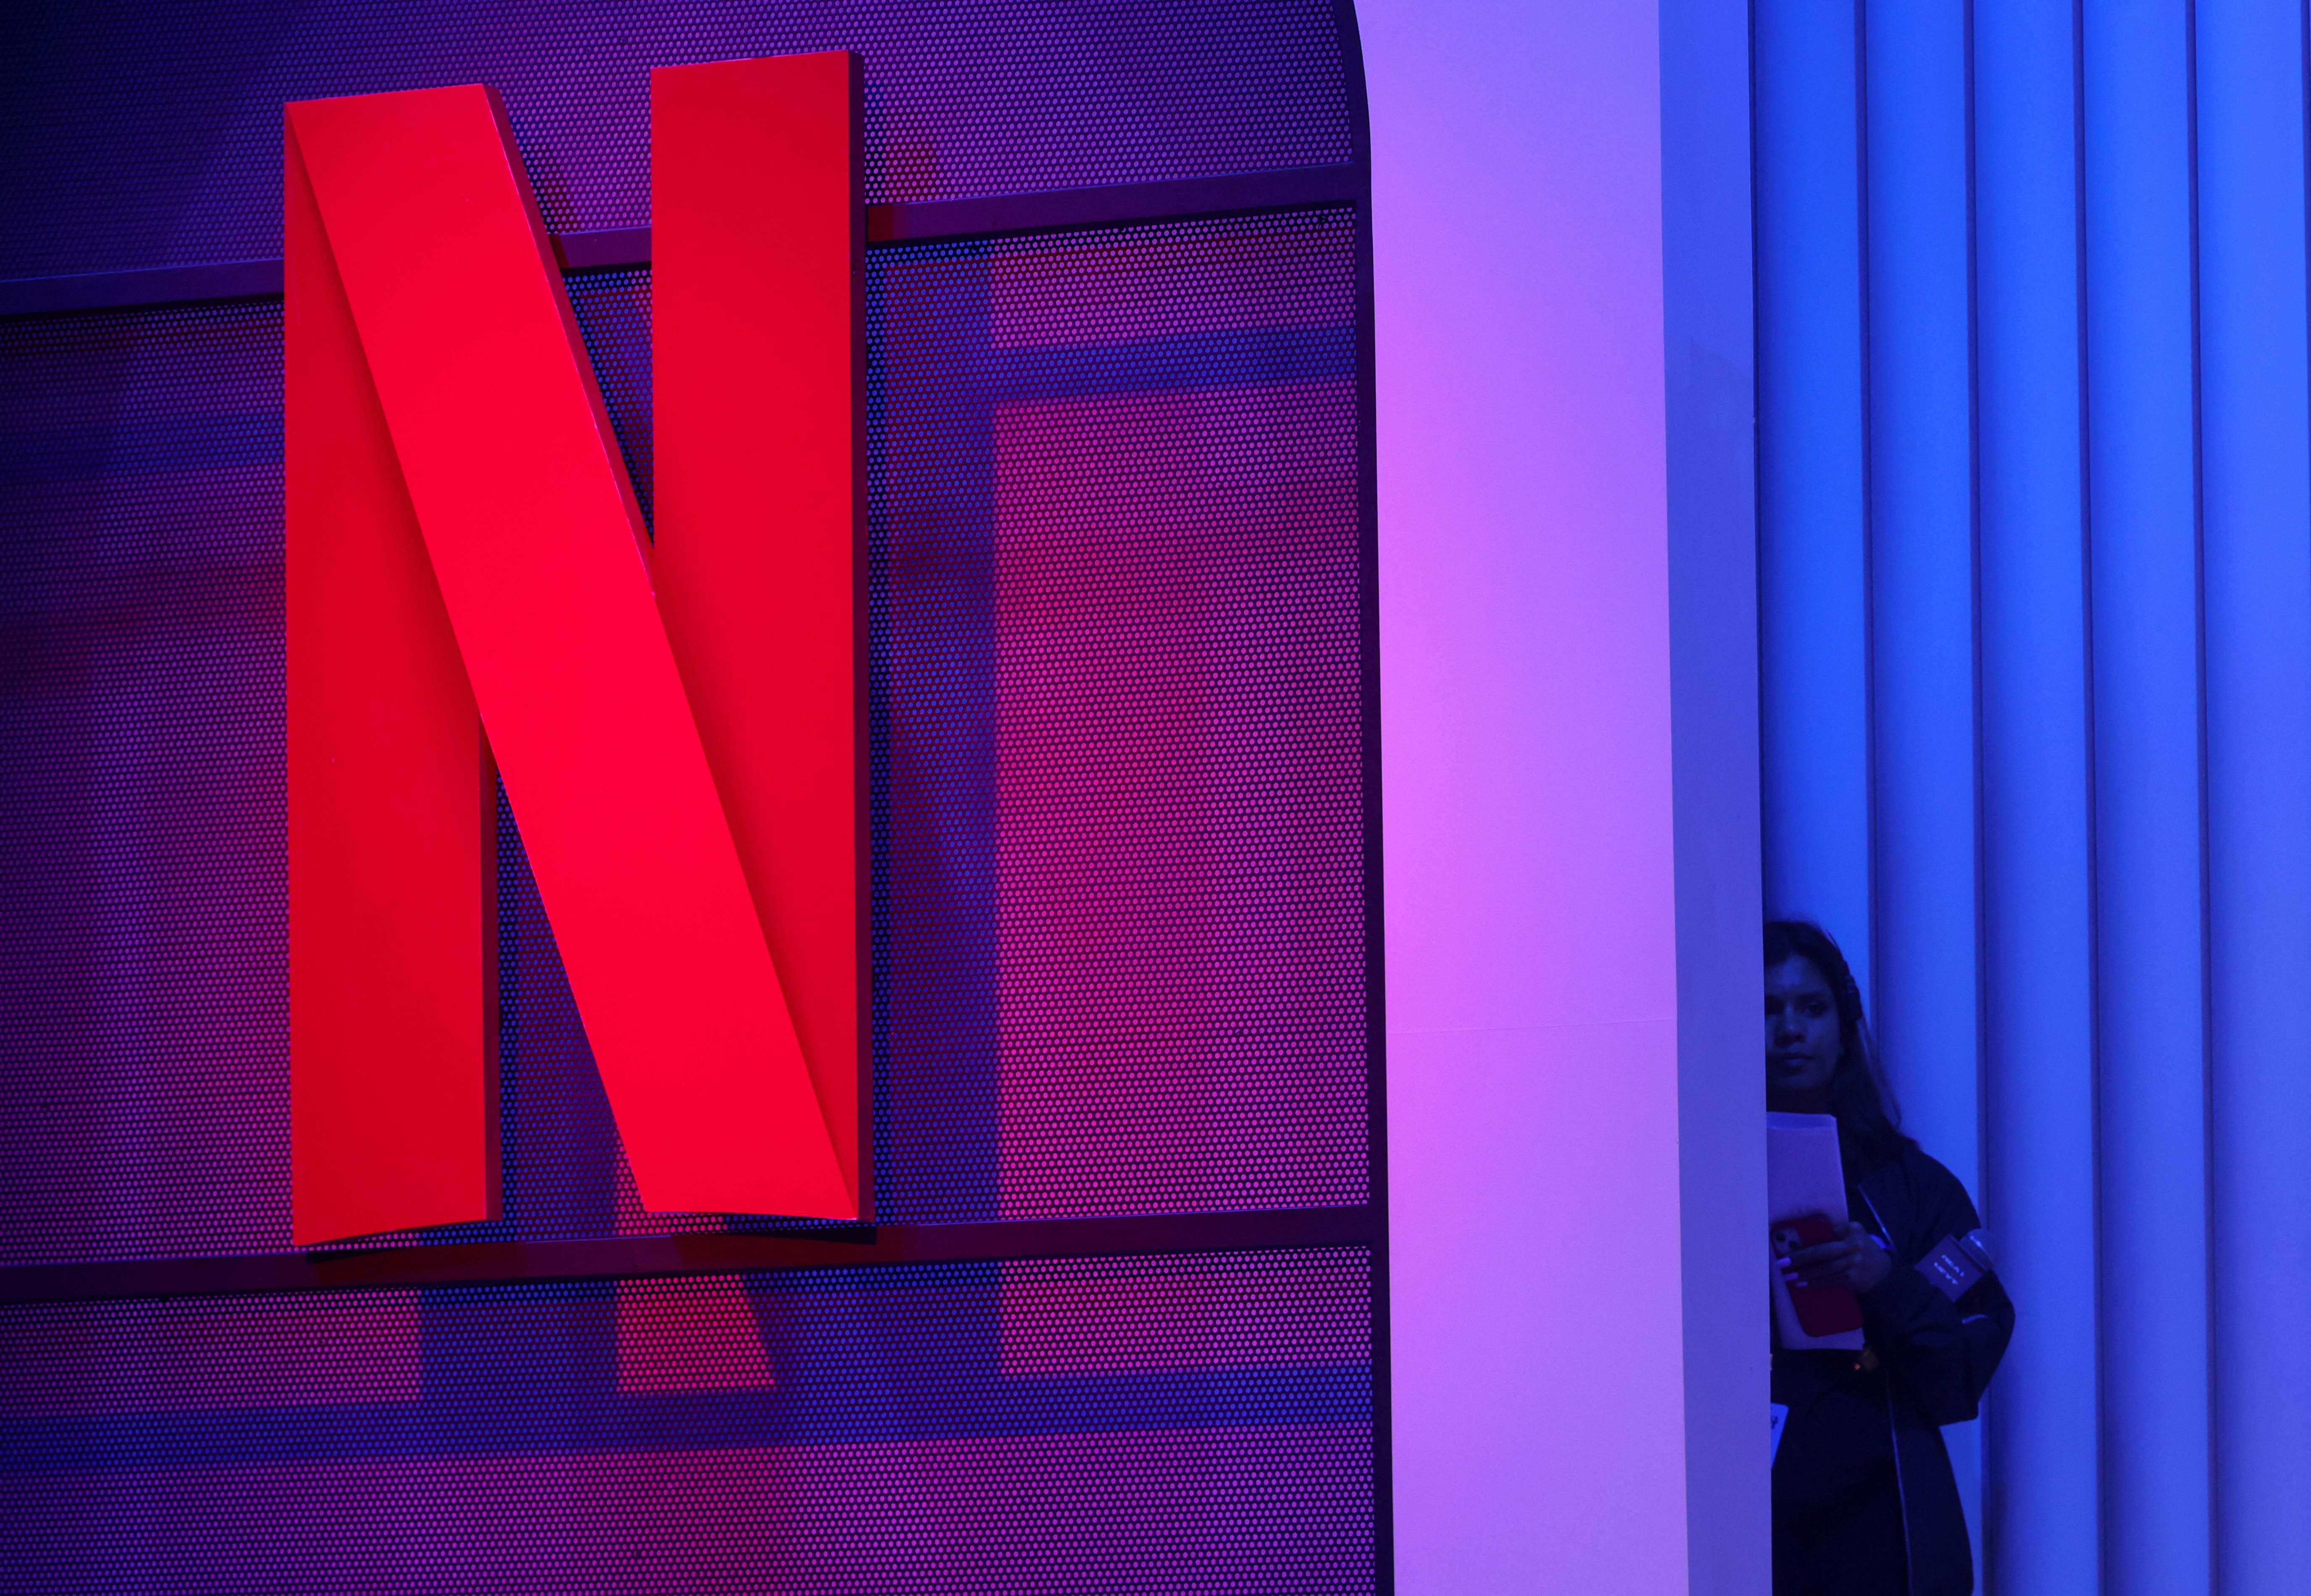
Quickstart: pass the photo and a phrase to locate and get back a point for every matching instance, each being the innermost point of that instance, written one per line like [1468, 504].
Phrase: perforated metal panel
[143, 1004]
[1117, 759]
[1148, 1425]
[1118, 755]
[1118, 798]
[133, 135]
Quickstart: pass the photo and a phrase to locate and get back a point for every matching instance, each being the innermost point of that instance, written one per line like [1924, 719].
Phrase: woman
[1864, 1503]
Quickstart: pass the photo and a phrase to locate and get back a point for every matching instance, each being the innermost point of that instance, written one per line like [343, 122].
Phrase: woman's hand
[1852, 1260]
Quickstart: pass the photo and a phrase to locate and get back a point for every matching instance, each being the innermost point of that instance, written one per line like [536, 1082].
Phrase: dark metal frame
[498, 1263]
[1362, 1227]
[1290, 188]
[1352, 69]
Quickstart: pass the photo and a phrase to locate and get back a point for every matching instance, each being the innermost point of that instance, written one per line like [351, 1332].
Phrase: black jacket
[1934, 1357]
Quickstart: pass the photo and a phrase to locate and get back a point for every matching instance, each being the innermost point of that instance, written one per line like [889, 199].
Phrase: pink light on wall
[689, 1335]
[1571, 840]
[1163, 877]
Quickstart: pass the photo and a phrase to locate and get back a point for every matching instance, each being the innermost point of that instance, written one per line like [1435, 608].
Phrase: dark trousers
[1849, 1545]
[1837, 1498]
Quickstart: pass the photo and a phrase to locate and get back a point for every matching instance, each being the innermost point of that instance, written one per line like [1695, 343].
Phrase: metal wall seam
[2255, 420]
[1293, 187]
[2041, 1528]
[2142, 465]
[1812, 493]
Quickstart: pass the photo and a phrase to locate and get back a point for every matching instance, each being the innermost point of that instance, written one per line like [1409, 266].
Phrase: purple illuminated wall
[1125, 918]
[1561, 225]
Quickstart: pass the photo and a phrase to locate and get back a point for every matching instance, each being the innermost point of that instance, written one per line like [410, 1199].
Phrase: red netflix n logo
[681, 728]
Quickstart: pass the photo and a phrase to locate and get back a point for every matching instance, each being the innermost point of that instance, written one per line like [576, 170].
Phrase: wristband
[1959, 1263]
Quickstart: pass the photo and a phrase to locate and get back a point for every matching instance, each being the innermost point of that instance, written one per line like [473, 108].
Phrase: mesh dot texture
[1116, 755]
[1123, 1425]
[136, 135]
[1119, 769]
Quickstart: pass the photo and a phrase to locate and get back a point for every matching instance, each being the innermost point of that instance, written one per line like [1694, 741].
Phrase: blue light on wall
[2035, 402]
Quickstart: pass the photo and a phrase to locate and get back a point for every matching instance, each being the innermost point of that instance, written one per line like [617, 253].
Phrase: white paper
[1781, 1421]
[1803, 1175]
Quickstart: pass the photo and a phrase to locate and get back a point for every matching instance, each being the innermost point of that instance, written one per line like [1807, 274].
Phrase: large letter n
[678, 727]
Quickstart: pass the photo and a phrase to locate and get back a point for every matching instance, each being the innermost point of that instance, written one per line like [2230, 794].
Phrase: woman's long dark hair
[1868, 1120]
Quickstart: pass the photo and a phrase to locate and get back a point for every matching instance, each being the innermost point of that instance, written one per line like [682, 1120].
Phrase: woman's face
[1802, 1044]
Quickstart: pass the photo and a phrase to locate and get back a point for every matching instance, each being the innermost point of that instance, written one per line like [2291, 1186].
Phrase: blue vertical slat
[2142, 476]
[2255, 416]
[1812, 603]
[2043, 1527]
[1922, 587]
[1922, 568]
